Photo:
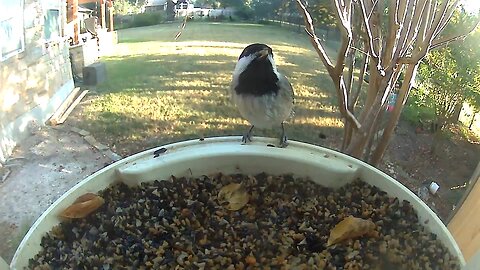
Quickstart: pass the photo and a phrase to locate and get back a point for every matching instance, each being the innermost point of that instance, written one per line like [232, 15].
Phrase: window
[52, 20]
[12, 39]
[52, 24]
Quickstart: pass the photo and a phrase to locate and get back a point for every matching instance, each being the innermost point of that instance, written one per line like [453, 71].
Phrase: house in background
[182, 7]
[155, 5]
[36, 40]
[35, 71]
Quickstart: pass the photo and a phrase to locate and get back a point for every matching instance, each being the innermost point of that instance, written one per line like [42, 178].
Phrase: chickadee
[263, 96]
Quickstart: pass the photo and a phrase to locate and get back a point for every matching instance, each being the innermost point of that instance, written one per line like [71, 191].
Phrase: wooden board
[70, 109]
[54, 119]
[465, 224]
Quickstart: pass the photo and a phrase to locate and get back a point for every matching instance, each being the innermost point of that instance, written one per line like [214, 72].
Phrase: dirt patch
[410, 160]
[45, 165]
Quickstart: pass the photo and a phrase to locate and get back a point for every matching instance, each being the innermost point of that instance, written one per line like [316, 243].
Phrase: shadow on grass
[159, 91]
[128, 135]
[218, 31]
[151, 72]
[152, 99]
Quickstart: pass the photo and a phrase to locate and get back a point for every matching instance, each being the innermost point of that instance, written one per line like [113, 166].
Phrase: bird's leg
[248, 135]
[283, 138]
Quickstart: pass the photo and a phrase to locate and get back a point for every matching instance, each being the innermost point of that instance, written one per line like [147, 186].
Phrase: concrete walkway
[48, 163]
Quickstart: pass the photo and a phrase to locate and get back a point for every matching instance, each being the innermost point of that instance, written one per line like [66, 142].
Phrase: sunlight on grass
[160, 91]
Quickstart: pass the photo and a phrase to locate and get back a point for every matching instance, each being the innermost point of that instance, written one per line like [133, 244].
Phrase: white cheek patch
[242, 64]
[274, 66]
[245, 61]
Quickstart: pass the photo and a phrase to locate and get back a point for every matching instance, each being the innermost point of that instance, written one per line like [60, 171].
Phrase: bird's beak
[262, 54]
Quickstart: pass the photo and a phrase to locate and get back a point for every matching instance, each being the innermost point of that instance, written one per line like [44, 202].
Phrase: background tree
[266, 9]
[449, 77]
[397, 36]
[322, 13]
[171, 9]
[207, 3]
[122, 7]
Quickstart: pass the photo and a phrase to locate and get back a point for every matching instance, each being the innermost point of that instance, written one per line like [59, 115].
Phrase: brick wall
[30, 80]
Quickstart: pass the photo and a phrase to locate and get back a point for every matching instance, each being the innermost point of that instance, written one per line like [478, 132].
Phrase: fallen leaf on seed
[349, 228]
[234, 196]
[83, 206]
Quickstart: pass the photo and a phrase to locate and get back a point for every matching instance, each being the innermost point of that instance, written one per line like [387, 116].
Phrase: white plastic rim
[228, 155]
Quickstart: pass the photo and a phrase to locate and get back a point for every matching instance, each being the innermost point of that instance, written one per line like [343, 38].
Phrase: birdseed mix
[181, 223]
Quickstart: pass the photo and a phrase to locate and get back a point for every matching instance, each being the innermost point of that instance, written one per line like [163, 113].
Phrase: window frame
[17, 22]
[52, 5]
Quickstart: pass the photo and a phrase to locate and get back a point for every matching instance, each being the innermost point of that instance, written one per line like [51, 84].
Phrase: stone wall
[34, 82]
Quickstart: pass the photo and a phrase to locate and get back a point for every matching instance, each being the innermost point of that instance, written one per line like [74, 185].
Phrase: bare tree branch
[372, 9]
[393, 27]
[313, 37]
[360, 50]
[401, 99]
[433, 6]
[420, 8]
[422, 45]
[439, 16]
[408, 29]
[366, 21]
[354, 98]
[445, 41]
[446, 19]
[345, 28]
[426, 22]
[336, 72]
[377, 28]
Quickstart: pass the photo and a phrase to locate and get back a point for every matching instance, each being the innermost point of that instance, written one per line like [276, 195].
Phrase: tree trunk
[170, 10]
[437, 142]
[395, 116]
[456, 112]
[472, 121]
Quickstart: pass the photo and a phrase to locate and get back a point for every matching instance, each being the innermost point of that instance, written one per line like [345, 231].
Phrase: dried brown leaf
[86, 197]
[83, 206]
[349, 228]
[234, 196]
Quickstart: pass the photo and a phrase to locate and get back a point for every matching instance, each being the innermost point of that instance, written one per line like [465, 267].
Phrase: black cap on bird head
[258, 76]
[259, 49]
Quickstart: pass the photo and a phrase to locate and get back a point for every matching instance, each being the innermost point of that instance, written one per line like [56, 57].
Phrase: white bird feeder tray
[227, 155]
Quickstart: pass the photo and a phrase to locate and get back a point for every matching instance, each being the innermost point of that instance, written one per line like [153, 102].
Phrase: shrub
[244, 13]
[146, 19]
[418, 109]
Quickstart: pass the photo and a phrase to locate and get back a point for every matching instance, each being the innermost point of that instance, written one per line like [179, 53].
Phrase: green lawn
[160, 90]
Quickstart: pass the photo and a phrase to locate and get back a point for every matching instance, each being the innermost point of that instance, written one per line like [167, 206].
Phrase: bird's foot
[283, 141]
[247, 137]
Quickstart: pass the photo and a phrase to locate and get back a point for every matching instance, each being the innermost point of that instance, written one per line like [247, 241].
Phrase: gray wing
[286, 88]
[286, 92]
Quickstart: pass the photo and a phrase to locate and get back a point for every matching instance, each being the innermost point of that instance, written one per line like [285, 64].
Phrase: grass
[160, 90]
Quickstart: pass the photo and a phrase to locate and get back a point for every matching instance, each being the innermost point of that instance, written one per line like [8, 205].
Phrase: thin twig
[184, 23]
[446, 19]
[360, 50]
[371, 11]
[368, 30]
[314, 39]
[445, 41]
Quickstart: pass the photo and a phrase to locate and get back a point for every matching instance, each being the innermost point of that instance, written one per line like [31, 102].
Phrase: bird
[263, 96]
